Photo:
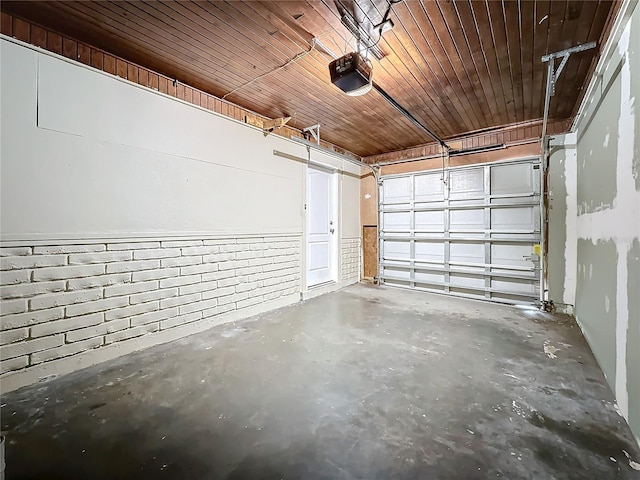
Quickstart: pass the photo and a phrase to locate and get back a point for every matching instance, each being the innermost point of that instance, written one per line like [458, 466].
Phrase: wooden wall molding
[509, 135]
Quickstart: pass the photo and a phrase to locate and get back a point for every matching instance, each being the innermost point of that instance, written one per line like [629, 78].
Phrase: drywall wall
[561, 248]
[607, 204]
[596, 302]
[130, 218]
[556, 216]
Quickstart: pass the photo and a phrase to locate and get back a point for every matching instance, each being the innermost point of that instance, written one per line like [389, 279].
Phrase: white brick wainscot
[65, 307]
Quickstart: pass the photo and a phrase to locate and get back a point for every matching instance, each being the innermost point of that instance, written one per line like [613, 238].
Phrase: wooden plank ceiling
[458, 66]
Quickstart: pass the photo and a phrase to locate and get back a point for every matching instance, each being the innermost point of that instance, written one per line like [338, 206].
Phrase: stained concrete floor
[365, 383]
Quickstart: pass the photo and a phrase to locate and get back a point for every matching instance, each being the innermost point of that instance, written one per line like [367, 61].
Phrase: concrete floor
[368, 383]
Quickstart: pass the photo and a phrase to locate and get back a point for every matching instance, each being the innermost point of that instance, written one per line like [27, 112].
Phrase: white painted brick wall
[130, 310]
[61, 300]
[101, 281]
[57, 249]
[31, 289]
[97, 330]
[132, 246]
[7, 365]
[100, 257]
[65, 350]
[156, 253]
[8, 307]
[64, 325]
[350, 259]
[15, 335]
[15, 251]
[65, 273]
[14, 277]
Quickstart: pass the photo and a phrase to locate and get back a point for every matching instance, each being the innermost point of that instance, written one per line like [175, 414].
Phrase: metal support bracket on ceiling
[554, 75]
[314, 131]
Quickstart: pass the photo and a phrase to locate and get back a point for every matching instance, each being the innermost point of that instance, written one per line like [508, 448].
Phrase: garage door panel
[467, 292]
[466, 220]
[432, 221]
[429, 278]
[397, 190]
[467, 252]
[512, 179]
[430, 287]
[515, 286]
[460, 280]
[397, 249]
[430, 252]
[396, 221]
[473, 236]
[512, 298]
[517, 255]
[396, 273]
[514, 218]
[428, 188]
[466, 183]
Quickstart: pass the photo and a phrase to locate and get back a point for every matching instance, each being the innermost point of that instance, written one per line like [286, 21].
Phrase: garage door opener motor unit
[352, 73]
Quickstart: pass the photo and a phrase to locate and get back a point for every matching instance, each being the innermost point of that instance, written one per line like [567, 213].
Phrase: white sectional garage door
[474, 234]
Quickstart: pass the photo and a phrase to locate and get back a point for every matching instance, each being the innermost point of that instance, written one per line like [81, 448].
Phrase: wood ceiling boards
[458, 67]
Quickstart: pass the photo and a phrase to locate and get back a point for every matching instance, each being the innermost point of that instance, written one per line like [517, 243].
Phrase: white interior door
[321, 227]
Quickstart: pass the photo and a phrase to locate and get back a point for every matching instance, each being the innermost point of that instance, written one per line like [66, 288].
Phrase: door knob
[332, 230]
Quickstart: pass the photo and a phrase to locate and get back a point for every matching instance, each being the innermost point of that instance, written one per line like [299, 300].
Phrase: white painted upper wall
[88, 155]
[350, 216]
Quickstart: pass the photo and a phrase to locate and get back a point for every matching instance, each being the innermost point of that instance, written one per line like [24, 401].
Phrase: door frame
[334, 199]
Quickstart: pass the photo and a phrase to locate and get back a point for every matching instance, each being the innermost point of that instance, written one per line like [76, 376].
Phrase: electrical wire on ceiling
[385, 20]
[362, 36]
[291, 61]
[381, 91]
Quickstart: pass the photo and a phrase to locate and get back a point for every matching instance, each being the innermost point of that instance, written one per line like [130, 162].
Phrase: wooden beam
[269, 126]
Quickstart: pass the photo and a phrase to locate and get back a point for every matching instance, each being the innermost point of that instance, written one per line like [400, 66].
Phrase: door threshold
[320, 289]
[323, 284]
